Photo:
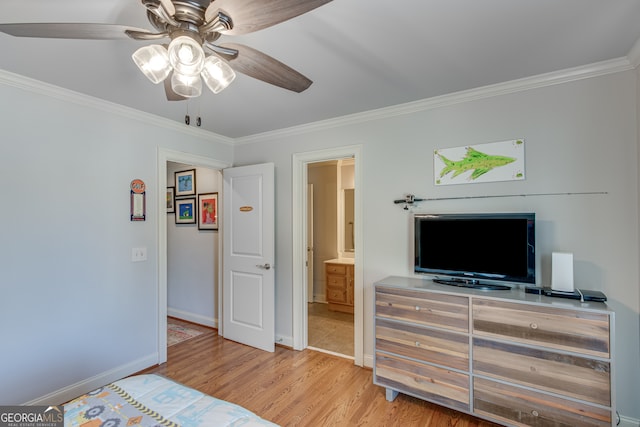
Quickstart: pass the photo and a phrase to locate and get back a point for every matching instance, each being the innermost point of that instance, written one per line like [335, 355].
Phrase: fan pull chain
[187, 117]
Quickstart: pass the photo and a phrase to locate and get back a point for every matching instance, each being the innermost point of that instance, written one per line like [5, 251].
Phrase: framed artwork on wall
[185, 211]
[185, 183]
[171, 207]
[208, 211]
[489, 162]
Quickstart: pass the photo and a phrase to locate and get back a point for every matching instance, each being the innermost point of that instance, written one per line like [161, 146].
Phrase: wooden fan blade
[70, 31]
[168, 90]
[263, 67]
[253, 15]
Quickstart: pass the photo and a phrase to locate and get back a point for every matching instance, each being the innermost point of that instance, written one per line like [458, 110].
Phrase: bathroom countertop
[341, 261]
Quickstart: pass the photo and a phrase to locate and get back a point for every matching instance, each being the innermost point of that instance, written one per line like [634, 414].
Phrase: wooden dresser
[506, 356]
[339, 282]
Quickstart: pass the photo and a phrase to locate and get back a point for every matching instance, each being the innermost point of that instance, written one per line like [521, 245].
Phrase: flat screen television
[479, 250]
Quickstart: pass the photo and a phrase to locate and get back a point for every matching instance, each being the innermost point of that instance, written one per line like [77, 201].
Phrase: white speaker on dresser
[562, 271]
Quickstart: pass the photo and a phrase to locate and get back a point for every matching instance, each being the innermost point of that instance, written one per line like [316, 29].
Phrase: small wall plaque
[138, 200]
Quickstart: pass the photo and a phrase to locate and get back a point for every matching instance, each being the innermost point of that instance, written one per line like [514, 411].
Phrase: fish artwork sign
[495, 161]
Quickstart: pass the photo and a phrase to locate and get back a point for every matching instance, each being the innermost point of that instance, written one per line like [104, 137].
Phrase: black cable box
[580, 294]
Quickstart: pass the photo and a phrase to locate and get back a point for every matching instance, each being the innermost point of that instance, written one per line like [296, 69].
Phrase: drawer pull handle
[534, 326]
[534, 413]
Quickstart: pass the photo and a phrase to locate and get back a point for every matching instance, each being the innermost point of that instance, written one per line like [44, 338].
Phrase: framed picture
[185, 183]
[208, 211]
[171, 198]
[185, 211]
[138, 206]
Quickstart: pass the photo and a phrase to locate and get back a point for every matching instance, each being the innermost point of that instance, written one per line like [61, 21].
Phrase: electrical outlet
[138, 254]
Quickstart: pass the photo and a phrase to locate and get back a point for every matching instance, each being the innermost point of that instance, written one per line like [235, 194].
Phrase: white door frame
[164, 156]
[299, 234]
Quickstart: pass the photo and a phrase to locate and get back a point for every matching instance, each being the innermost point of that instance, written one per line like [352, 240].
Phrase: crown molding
[519, 85]
[629, 62]
[52, 91]
[634, 54]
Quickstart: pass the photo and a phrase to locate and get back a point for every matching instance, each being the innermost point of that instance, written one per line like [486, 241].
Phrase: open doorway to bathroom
[331, 256]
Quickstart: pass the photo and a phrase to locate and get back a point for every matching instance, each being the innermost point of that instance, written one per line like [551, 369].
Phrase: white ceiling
[361, 54]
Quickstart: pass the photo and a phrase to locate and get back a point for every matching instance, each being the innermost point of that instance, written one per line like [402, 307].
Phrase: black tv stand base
[473, 284]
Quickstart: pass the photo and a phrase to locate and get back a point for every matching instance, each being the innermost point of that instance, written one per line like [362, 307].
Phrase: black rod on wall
[410, 199]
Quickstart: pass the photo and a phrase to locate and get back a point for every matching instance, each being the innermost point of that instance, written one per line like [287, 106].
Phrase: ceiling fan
[193, 27]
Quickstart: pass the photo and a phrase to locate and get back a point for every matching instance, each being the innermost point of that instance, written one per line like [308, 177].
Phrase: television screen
[474, 247]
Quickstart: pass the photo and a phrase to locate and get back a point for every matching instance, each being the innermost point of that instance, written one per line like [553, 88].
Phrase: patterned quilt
[154, 401]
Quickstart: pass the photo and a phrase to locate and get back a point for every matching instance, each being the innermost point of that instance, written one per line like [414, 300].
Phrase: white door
[248, 300]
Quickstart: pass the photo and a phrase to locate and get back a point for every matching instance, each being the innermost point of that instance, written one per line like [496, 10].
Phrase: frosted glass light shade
[187, 86]
[217, 74]
[153, 61]
[186, 56]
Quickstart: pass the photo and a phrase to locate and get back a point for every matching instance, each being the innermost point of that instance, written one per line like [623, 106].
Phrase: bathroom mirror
[349, 245]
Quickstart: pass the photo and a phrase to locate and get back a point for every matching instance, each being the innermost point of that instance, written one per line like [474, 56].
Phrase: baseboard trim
[72, 391]
[193, 317]
[286, 341]
[629, 422]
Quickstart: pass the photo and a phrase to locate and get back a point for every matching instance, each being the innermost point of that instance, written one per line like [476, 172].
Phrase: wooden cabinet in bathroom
[339, 283]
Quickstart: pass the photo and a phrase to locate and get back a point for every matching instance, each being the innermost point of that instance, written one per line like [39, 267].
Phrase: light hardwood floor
[297, 388]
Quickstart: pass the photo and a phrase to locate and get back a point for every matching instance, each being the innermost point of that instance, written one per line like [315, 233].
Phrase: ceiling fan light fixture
[217, 74]
[186, 56]
[187, 86]
[153, 61]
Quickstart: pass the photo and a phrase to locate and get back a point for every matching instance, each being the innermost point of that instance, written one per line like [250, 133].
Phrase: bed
[153, 400]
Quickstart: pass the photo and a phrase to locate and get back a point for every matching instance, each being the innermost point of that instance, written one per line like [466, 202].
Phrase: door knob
[266, 266]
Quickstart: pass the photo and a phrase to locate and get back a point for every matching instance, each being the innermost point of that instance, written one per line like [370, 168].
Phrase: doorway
[193, 250]
[330, 256]
[299, 231]
[165, 156]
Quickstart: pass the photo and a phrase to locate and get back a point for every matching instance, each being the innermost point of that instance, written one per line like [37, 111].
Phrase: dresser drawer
[438, 385]
[434, 346]
[444, 311]
[565, 329]
[515, 405]
[573, 376]
[336, 269]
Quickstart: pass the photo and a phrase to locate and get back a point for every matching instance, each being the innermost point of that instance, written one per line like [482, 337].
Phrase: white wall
[581, 136]
[74, 309]
[192, 258]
